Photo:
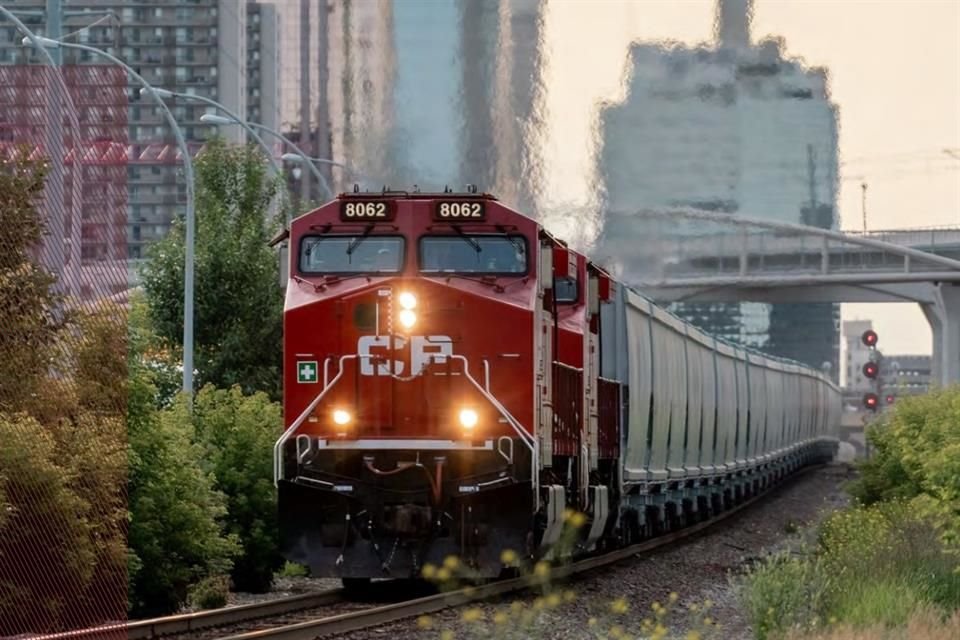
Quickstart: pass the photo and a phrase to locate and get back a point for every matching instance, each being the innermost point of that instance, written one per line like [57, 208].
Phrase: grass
[923, 624]
[878, 566]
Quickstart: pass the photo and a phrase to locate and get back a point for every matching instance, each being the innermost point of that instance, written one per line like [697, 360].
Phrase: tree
[27, 300]
[176, 533]
[238, 298]
[238, 433]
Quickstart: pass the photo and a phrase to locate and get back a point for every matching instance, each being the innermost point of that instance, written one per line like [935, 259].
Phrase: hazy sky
[894, 70]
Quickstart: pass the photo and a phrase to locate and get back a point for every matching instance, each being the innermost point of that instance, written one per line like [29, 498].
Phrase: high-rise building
[264, 63]
[434, 94]
[195, 47]
[737, 128]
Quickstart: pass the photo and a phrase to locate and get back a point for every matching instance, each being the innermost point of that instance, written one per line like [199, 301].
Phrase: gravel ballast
[697, 571]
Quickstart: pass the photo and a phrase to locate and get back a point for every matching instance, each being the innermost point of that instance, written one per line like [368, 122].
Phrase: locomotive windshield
[351, 254]
[503, 255]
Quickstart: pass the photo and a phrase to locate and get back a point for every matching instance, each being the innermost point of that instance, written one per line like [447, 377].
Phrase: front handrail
[526, 437]
[278, 446]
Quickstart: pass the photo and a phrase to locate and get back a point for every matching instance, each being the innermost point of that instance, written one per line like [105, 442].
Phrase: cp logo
[423, 349]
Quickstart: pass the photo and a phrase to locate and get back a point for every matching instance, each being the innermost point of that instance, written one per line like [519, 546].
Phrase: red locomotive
[456, 379]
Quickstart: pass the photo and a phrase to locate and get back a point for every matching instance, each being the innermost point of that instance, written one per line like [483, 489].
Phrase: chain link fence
[63, 347]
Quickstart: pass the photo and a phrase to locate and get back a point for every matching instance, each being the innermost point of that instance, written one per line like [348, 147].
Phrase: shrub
[237, 433]
[210, 593]
[874, 565]
[293, 570]
[47, 551]
[917, 457]
[176, 523]
[783, 593]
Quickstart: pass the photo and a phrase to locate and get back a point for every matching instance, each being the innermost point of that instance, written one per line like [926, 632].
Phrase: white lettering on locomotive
[422, 351]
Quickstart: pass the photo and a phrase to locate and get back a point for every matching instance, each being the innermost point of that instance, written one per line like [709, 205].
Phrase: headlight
[341, 417]
[407, 300]
[407, 318]
[468, 418]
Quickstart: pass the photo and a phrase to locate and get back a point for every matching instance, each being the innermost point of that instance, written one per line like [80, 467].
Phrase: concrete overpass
[686, 255]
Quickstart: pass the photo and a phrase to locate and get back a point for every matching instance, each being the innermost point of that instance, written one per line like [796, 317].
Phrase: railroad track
[376, 616]
[191, 622]
[217, 623]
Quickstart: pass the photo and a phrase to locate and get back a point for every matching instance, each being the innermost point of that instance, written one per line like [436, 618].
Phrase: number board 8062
[459, 210]
[367, 210]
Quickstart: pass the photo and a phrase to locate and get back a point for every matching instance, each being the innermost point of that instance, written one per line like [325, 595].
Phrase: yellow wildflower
[592, 622]
[694, 635]
[619, 606]
[425, 622]
[673, 596]
[500, 617]
[578, 519]
[428, 571]
[569, 596]
[508, 556]
[451, 562]
[616, 632]
[443, 574]
[542, 569]
[553, 600]
[446, 634]
[472, 615]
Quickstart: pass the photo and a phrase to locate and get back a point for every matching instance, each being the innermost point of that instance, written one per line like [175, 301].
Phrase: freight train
[457, 381]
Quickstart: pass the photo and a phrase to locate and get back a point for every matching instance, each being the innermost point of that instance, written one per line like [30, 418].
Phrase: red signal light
[890, 399]
[870, 338]
[871, 370]
[870, 401]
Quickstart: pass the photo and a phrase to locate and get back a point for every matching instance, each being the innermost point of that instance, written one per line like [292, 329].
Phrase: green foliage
[293, 570]
[238, 433]
[916, 456]
[783, 593]
[210, 593]
[37, 581]
[238, 296]
[62, 436]
[176, 537]
[27, 299]
[873, 565]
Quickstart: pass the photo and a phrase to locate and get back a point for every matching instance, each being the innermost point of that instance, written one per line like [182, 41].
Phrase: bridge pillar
[933, 315]
[944, 319]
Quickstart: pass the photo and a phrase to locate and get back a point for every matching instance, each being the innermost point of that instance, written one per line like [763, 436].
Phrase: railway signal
[890, 399]
[871, 370]
[870, 401]
[870, 338]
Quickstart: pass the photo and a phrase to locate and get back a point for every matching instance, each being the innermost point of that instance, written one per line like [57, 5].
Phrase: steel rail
[359, 620]
[186, 622]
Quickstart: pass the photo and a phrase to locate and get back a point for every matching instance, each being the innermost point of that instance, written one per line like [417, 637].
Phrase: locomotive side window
[351, 254]
[465, 253]
[565, 289]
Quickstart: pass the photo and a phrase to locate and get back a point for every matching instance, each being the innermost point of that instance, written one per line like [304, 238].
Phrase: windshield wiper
[517, 242]
[356, 241]
[471, 241]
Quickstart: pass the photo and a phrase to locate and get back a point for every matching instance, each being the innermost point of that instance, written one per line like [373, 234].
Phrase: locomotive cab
[409, 338]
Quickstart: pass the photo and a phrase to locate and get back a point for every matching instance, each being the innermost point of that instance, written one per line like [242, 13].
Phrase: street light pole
[220, 120]
[190, 214]
[296, 157]
[166, 93]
